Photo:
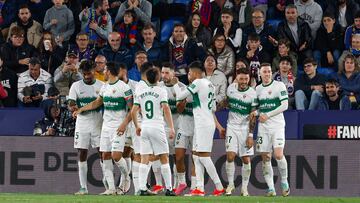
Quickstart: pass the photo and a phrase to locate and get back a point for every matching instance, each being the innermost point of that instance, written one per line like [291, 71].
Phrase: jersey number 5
[149, 108]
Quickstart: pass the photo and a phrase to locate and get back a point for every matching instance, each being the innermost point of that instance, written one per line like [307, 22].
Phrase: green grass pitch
[24, 197]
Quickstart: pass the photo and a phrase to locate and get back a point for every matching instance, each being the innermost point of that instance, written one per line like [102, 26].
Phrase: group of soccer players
[125, 121]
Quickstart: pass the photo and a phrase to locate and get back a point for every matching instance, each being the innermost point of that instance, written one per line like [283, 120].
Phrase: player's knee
[230, 157]
[246, 160]
[279, 156]
[266, 157]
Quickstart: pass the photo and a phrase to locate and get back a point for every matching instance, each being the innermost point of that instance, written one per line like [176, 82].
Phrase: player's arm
[91, 106]
[134, 110]
[181, 94]
[219, 127]
[72, 105]
[252, 123]
[126, 121]
[168, 118]
[284, 104]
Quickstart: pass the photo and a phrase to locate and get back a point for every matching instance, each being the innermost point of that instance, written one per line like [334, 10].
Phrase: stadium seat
[186, 2]
[274, 23]
[166, 29]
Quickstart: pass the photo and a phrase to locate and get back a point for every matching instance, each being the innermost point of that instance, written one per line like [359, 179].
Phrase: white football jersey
[269, 98]
[83, 94]
[241, 103]
[150, 99]
[115, 97]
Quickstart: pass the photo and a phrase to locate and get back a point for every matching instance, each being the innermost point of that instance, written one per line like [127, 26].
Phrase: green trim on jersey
[189, 89]
[114, 82]
[196, 101]
[172, 104]
[92, 82]
[137, 104]
[268, 84]
[243, 90]
[188, 111]
[163, 102]
[267, 105]
[114, 104]
[240, 107]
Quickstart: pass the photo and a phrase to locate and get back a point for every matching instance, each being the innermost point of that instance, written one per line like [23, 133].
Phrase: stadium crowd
[313, 46]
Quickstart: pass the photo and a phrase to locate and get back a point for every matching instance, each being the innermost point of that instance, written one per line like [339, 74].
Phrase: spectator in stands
[351, 30]
[96, 22]
[52, 95]
[240, 63]
[260, 5]
[197, 31]
[100, 62]
[51, 55]
[8, 80]
[354, 50]
[225, 57]
[113, 52]
[83, 47]
[75, 7]
[140, 58]
[343, 11]
[60, 21]
[285, 75]
[311, 12]
[276, 8]
[38, 9]
[7, 15]
[16, 52]
[296, 31]
[217, 78]
[331, 100]
[33, 84]
[309, 86]
[204, 8]
[255, 55]
[264, 30]
[32, 29]
[142, 8]
[182, 51]
[231, 30]
[242, 10]
[150, 44]
[349, 80]
[67, 73]
[329, 42]
[284, 50]
[128, 29]
[50, 121]
[114, 6]
[3, 95]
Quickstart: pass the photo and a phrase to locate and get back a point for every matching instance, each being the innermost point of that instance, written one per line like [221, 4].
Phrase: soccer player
[88, 125]
[152, 101]
[239, 132]
[272, 99]
[130, 131]
[203, 92]
[116, 96]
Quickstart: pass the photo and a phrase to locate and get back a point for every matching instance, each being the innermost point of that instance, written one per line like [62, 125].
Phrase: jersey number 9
[149, 108]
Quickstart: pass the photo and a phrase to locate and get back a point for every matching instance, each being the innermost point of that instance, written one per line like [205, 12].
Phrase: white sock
[282, 166]
[230, 172]
[109, 175]
[193, 182]
[268, 174]
[83, 170]
[128, 163]
[211, 170]
[181, 178]
[123, 170]
[135, 175]
[199, 170]
[166, 173]
[175, 176]
[245, 173]
[143, 174]
[156, 167]
[103, 172]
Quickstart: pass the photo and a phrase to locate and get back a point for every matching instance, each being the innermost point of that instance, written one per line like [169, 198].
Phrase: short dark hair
[122, 66]
[152, 75]
[253, 37]
[148, 26]
[245, 71]
[140, 52]
[357, 14]
[17, 31]
[290, 6]
[87, 65]
[179, 25]
[286, 58]
[310, 60]
[264, 64]
[132, 13]
[196, 65]
[332, 81]
[285, 42]
[227, 11]
[98, 3]
[168, 65]
[145, 67]
[23, 6]
[113, 68]
[329, 15]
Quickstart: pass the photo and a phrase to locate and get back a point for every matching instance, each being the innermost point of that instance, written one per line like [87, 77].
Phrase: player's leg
[108, 169]
[127, 157]
[245, 173]
[117, 149]
[145, 151]
[180, 149]
[136, 162]
[82, 143]
[232, 147]
[279, 144]
[199, 169]
[156, 168]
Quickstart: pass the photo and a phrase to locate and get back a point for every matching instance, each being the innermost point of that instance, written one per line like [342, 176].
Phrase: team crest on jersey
[269, 92]
[97, 91]
[114, 91]
[244, 96]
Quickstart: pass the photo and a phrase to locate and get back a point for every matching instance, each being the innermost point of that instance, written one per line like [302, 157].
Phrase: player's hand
[77, 112]
[73, 108]
[222, 132]
[249, 142]
[121, 130]
[252, 115]
[138, 131]
[263, 118]
[172, 134]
